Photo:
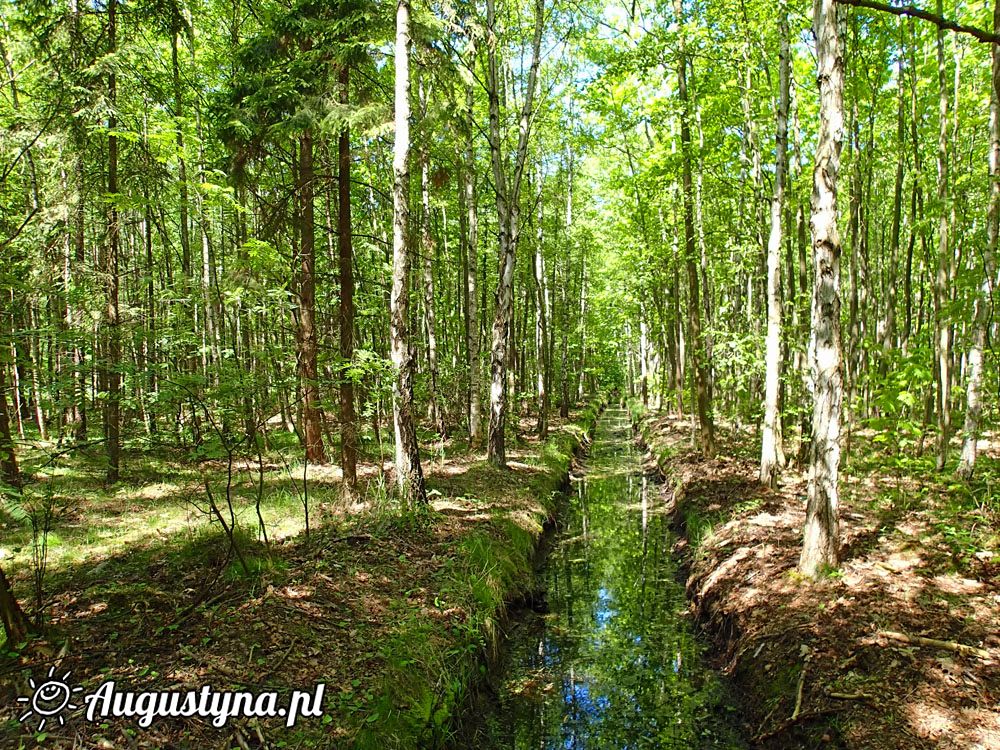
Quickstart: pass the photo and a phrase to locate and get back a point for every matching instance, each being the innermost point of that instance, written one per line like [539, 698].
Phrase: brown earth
[817, 662]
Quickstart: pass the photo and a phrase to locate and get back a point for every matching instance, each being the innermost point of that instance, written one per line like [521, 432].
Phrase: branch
[913, 12]
[918, 640]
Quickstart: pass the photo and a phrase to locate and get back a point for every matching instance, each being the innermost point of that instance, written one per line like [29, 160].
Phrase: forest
[536, 373]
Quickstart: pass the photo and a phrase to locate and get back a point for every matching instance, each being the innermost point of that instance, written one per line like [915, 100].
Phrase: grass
[431, 669]
[398, 624]
[90, 522]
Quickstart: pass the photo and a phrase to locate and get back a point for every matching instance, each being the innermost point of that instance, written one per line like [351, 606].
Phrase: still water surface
[612, 662]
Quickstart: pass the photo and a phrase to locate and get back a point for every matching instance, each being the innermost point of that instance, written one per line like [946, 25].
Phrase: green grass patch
[433, 662]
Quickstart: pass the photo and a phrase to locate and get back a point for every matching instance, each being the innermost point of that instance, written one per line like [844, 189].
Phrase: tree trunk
[771, 453]
[706, 428]
[79, 254]
[889, 326]
[582, 362]
[942, 330]
[112, 361]
[35, 361]
[974, 404]
[427, 250]
[643, 357]
[508, 191]
[821, 533]
[348, 417]
[564, 340]
[15, 624]
[409, 475]
[472, 243]
[9, 470]
[312, 414]
[805, 358]
[541, 325]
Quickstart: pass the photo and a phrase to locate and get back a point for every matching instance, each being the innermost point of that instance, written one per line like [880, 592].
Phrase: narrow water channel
[611, 661]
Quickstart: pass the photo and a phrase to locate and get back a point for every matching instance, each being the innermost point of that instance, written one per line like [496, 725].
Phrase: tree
[507, 186]
[472, 249]
[980, 323]
[112, 358]
[699, 365]
[771, 452]
[541, 324]
[821, 534]
[312, 414]
[427, 250]
[348, 417]
[409, 474]
[9, 471]
[15, 623]
[942, 280]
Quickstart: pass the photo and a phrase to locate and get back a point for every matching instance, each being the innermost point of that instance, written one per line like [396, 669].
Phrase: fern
[11, 506]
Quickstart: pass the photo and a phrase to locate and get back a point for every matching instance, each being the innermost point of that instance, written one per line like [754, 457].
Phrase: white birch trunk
[821, 533]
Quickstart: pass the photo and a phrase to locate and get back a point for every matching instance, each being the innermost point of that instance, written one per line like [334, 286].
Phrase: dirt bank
[843, 662]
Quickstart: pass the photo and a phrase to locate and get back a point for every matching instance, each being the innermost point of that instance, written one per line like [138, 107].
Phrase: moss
[433, 666]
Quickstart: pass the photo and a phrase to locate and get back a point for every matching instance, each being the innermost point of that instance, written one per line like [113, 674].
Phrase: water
[612, 661]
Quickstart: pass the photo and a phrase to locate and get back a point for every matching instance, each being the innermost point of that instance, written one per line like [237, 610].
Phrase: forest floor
[391, 611]
[822, 665]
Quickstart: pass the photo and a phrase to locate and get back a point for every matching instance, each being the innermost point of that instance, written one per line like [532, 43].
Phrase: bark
[9, 470]
[185, 231]
[150, 342]
[77, 315]
[981, 316]
[821, 533]
[35, 361]
[541, 324]
[508, 192]
[213, 318]
[889, 329]
[472, 243]
[564, 341]
[112, 361]
[348, 417]
[564, 385]
[312, 414]
[805, 360]
[643, 357]
[581, 373]
[771, 455]
[409, 475]
[15, 623]
[427, 250]
[942, 329]
[916, 202]
[706, 428]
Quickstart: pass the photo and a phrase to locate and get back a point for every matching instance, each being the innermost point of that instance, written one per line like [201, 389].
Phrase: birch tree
[507, 186]
[771, 452]
[981, 315]
[821, 533]
[409, 474]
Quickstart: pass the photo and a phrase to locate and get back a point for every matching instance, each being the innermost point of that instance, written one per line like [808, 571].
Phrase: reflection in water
[613, 664]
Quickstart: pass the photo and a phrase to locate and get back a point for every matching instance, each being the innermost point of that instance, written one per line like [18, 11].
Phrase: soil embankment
[898, 648]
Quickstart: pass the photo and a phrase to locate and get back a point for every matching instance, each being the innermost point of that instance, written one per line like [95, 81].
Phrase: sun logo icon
[49, 699]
